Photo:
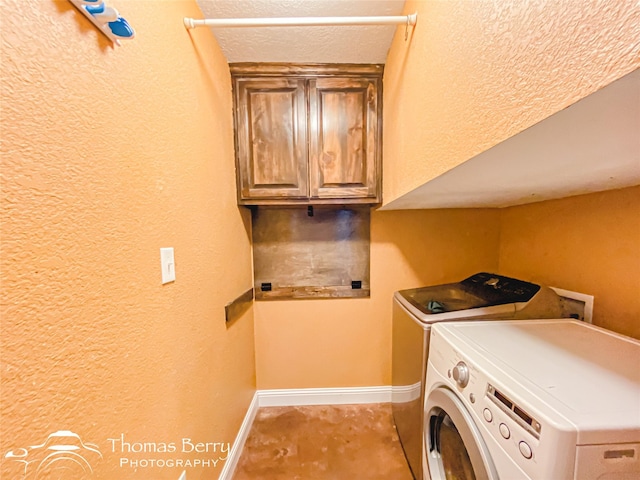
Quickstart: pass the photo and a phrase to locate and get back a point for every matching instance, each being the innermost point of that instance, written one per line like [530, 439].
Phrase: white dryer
[531, 400]
[481, 296]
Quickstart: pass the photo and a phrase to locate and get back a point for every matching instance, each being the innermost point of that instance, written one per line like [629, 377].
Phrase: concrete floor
[324, 442]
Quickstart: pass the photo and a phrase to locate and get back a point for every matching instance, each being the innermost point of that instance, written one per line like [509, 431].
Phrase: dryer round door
[454, 448]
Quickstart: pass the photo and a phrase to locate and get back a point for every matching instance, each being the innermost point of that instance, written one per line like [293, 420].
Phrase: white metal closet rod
[300, 21]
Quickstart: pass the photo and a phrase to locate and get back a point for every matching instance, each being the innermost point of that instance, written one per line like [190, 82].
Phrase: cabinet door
[344, 150]
[271, 138]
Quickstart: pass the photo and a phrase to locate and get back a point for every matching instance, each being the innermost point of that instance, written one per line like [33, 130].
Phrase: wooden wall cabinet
[308, 134]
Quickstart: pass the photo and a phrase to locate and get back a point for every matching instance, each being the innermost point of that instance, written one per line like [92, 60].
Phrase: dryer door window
[454, 449]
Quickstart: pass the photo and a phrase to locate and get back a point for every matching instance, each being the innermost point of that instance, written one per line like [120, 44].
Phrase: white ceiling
[591, 146]
[342, 44]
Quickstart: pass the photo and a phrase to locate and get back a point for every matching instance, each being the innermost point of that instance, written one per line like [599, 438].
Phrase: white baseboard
[298, 397]
[233, 456]
[406, 393]
[323, 396]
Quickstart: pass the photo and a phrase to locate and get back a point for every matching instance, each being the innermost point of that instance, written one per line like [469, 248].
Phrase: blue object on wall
[121, 28]
[106, 19]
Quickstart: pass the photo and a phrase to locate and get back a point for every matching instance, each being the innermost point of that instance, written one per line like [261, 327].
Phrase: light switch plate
[168, 265]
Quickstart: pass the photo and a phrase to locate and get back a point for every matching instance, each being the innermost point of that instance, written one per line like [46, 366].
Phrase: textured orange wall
[589, 244]
[474, 73]
[347, 342]
[109, 154]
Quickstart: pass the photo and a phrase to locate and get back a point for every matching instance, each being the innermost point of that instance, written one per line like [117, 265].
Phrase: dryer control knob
[461, 374]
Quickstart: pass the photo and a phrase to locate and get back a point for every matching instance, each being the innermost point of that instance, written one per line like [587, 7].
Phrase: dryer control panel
[524, 443]
[517, 414]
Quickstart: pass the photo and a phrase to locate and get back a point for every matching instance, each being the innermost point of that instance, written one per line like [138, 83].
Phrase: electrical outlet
[168, 265]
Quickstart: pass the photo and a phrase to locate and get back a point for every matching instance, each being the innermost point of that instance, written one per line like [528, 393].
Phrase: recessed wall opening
[323, 255]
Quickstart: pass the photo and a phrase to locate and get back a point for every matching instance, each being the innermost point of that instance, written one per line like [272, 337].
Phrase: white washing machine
[483, 295]
[532, 400]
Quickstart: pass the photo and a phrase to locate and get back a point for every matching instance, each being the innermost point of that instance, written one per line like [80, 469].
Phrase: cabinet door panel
[271, 138]
[343, 149]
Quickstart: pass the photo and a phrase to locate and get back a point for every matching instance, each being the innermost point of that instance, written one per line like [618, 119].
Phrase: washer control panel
[498, 289]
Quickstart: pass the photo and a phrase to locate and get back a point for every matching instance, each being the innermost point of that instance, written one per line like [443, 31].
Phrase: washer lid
[450, 297]
[587, 375]
[479, 290]
[497, 311]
